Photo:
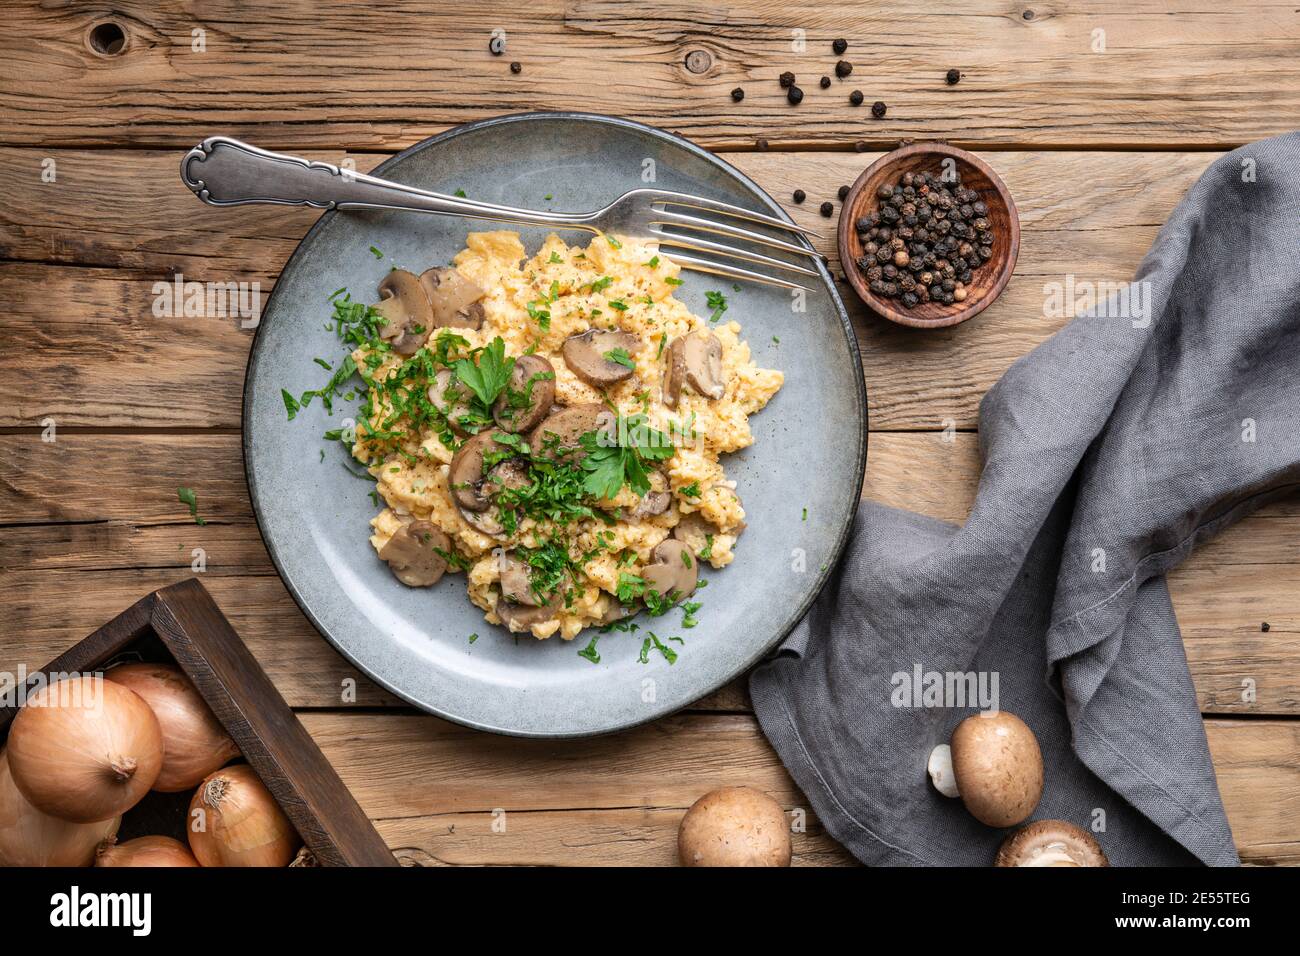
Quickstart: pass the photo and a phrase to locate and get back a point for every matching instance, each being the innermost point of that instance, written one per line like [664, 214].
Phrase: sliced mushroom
[561, 431]
[674, 573]
[528, 395]
[616, 612]
[454, 299]
[408, 317]
[694, 360]
[413, 554]
[517, 582]
[465, 476]
[450, 396]
[509, 475]
[484, 522]
[520, 617]
[1051, 843]
[656, 500]
[587, 356]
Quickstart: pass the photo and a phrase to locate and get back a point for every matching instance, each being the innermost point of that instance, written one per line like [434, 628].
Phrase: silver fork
[226, 172]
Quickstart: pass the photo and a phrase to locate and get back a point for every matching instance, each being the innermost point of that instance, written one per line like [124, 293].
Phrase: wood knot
[107, 38]
[699, 61]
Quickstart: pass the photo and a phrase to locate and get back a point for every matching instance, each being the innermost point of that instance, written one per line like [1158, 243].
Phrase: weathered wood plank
[437, 790]
[90, 522]
[291, 73]
[1093, 215]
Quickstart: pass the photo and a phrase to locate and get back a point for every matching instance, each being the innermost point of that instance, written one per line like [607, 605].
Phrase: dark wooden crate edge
[188, 622]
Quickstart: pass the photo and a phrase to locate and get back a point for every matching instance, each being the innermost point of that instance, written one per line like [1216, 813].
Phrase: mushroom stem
[941, 773]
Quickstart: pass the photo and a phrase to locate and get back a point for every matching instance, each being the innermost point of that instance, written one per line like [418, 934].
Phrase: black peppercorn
[839, 46]
[856, 97]
[878, 109]
[737, 94]
[761, 143]
[827, 209]
[825, 82]
[786, 80]
[800, 195]
[843, 68]
[516, 67]
[794, 95]
[842, 192]
[1264, 627]
[952, 77]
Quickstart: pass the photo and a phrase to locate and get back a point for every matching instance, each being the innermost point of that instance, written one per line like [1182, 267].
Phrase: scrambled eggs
[535, 306]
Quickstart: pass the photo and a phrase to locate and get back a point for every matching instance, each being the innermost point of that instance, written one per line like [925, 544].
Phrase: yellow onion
[31, 838]
[234, 821]
[194, 742]
[145, 851]
[85, 749]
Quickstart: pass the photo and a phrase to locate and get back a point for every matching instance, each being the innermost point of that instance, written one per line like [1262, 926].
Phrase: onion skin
[155, 851]
[234, 821]
[194, 742]
[85, 749]
[31, 838]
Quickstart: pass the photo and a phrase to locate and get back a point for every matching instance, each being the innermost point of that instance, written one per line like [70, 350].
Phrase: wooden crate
[181, 624]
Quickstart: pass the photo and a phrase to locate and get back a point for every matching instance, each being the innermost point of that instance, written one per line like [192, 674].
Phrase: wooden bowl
[990, 278]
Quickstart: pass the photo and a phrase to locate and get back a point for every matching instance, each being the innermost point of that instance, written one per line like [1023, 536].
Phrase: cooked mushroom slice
[451, 396]
[656, 500]
[484, 522]
[528, 395]
[413, 554]
[510, 475]
[517, 582]
[454, 299]
[616, 612]
[520, 617]
[694, 360]
[1051, 843]
[408, 317]
[674, 573]
[562, 429]
[466, 473]
[588, 356]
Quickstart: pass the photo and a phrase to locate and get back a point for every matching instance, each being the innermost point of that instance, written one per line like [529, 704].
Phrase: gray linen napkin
[1109, 453]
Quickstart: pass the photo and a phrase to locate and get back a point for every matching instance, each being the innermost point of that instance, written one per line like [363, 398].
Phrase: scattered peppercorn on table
[110, 404]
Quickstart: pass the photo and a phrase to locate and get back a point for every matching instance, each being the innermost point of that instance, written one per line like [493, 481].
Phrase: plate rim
[860, 392]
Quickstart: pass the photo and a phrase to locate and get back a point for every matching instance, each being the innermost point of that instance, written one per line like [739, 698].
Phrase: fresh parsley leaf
[376, 253]
[654, 262]
[590, 652]
[488, 377]
[555, 258]
[620, 357]
[673, 280]
[618, 304]
[614, 242]
[717, 302]
[187, 497]
[692, 490]
[603, 282]
[290, 404]
[539, 314]
[460, 193]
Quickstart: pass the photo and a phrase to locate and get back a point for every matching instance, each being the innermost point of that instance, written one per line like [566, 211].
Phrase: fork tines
[677, 229]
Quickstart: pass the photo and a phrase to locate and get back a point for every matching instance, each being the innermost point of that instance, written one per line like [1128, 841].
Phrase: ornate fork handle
[226, 172]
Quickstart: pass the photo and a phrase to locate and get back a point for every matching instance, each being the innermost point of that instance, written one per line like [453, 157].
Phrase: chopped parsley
[669, 654]
[620, 357]
[590, 652]
[611, 466]
[692, 490]
[614, 242]
[717, 302]
[187, 497]
[376, 253]
[555, 257]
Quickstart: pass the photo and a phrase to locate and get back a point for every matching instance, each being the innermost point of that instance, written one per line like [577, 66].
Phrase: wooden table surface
[1098, 119]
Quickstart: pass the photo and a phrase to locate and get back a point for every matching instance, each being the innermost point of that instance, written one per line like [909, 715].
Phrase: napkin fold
[1158, 416]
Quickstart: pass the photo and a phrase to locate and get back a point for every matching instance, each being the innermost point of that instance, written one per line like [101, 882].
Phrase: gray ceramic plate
[809, 452]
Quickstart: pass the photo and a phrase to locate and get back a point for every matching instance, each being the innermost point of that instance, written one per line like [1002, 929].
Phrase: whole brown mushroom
[1051, 843]
[734, 826]
[993, 763]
